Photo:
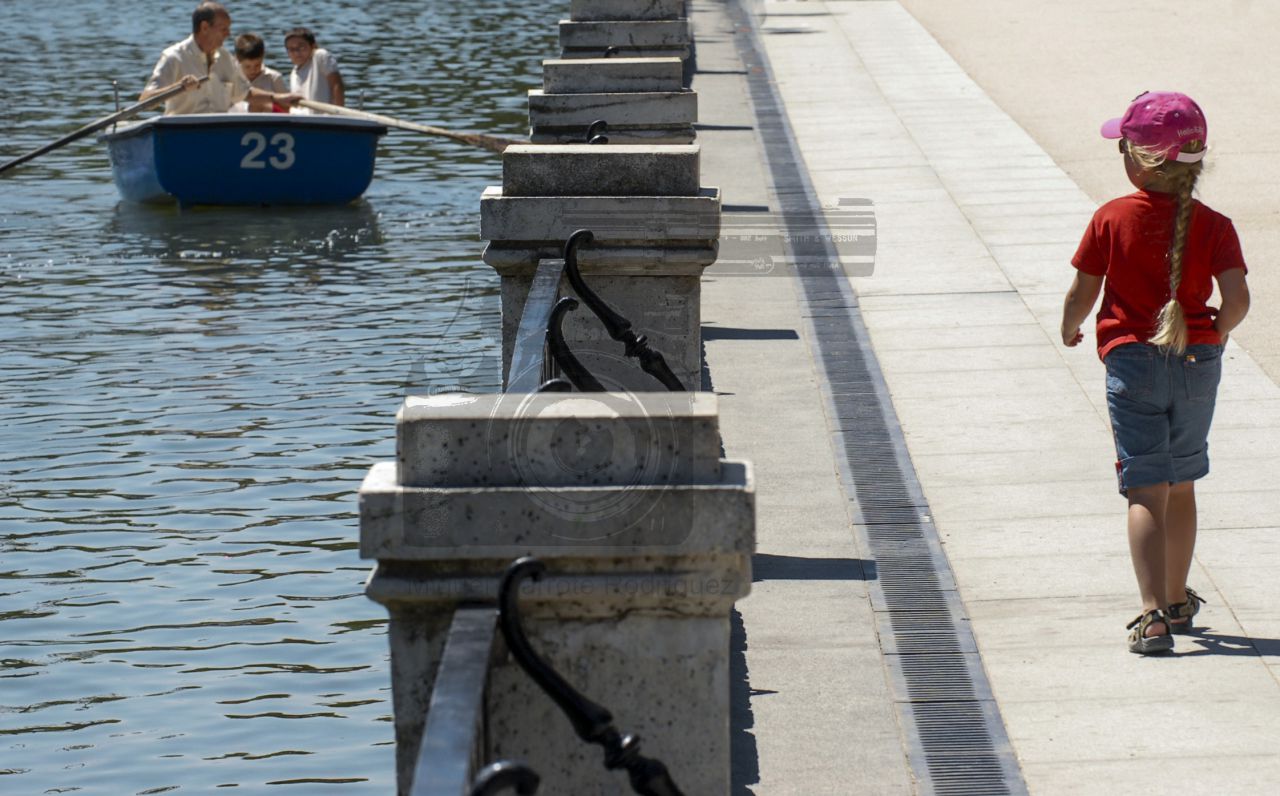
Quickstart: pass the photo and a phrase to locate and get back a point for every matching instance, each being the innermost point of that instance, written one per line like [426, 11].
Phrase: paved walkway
[1006, 429]
[1015, 51]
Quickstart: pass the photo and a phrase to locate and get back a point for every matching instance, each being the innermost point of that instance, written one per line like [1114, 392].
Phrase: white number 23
[282, 158]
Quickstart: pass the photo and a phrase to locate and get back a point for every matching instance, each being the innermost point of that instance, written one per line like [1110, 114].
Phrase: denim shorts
[1161, 406]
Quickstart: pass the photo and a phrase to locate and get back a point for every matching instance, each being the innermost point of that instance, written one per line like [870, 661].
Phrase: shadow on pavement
[735, 333]
[770, 567]
[744, 757]
[1218, 644]
[743, 754]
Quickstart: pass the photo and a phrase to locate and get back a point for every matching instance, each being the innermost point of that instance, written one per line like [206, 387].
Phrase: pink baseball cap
[1163, 121]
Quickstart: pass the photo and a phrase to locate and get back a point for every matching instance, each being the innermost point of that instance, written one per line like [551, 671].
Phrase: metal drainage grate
[956, 740]
[938, 677]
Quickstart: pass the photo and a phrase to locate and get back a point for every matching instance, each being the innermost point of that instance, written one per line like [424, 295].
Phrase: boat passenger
[250, 51]
[201, 54]
[315, 71]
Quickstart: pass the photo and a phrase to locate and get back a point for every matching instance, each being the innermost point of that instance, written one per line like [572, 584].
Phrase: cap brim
[1111, 129]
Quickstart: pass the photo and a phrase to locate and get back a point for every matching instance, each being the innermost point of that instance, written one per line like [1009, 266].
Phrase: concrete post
[625, 10]
[642, 99]
[655, 231]
[647, 534]
[610, 75]
[632, 39]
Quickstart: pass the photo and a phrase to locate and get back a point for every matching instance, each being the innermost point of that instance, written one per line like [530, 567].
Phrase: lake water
[192, 398]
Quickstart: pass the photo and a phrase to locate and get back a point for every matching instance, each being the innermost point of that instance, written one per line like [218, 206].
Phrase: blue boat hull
[244, 159]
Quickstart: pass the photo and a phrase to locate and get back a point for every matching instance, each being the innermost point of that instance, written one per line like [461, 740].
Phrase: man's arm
[188, 83]
[167, 74]
[283, 100]
[1081, 297]
[255, 96]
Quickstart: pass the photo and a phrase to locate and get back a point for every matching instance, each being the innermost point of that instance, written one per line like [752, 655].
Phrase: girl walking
[1154, 255]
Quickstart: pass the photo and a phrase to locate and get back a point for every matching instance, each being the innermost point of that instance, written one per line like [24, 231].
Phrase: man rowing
[201, 54]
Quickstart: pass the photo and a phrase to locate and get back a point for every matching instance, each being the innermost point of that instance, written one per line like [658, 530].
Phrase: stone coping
[625, 10]
[661, 33]
[595, 170]
[548, 440]
[619, 109]
[438, 523]
[643, 220]
[605, 75]
[674, 258]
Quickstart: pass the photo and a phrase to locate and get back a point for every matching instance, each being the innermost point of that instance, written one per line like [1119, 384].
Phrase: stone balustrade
[647, 535]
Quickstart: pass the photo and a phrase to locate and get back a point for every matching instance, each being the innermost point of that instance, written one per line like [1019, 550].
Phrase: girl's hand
[1081, 297]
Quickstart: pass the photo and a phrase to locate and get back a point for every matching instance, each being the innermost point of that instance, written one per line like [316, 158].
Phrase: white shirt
[311, 80]
[270, 80]
[226, 84]
[267, 80]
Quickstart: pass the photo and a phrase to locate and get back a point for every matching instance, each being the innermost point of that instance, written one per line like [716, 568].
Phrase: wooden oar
[490, 142]
[93, 127]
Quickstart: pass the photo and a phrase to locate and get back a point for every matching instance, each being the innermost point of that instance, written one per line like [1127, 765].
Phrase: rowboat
[244, 159]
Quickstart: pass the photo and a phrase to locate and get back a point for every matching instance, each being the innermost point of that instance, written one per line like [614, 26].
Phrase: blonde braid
[1180, 178]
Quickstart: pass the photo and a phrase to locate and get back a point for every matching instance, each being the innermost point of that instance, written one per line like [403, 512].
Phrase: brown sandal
[1181, 613]
[1140, 642]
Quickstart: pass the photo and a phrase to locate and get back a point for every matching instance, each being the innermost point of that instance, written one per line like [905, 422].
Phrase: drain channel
[956, 740]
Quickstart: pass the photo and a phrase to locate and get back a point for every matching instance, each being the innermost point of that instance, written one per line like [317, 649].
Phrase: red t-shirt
[1128, 242]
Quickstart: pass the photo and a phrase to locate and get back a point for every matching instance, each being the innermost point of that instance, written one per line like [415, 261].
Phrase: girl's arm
[1081, 297]
[1235, 301]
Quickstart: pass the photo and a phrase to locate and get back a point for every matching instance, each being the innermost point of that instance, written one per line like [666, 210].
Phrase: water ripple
[192, 398]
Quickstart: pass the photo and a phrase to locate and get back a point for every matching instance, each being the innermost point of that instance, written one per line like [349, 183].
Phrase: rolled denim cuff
[1145, 470]
[1191, 468]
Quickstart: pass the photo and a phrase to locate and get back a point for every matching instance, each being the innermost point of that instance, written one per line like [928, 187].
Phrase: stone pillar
[642, 99]
[647, 535]
[629, 28]
[655, 229]
[625, 10]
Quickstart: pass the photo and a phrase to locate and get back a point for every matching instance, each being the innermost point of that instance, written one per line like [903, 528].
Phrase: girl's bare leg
[1147, 506]
[1180, 540]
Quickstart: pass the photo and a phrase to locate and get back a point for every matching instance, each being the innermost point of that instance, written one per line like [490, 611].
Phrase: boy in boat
[201, 55]
[250, 50]
[315, 71]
